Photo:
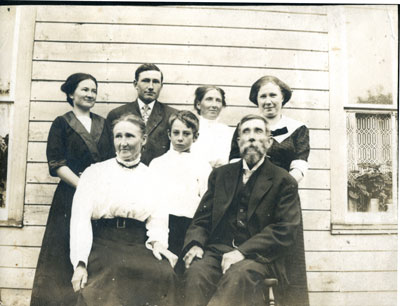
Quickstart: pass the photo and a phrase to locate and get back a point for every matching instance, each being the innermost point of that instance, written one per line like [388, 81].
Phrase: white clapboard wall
[229, 46]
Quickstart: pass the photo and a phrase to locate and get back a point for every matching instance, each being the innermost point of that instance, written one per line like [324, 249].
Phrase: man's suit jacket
[273, 212]
[156, 128]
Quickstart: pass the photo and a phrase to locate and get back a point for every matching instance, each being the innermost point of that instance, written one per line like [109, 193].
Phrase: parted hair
[255, 88]
[254, 117]
[147, 67]
[188, 118]
[201, 92]
[72, 82]
[136, 120]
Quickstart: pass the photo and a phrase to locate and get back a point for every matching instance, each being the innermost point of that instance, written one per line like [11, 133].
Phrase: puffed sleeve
[157, 228]
[81, 235]
[302, 146]
[56, 146]
[204, 173]
[157, 215]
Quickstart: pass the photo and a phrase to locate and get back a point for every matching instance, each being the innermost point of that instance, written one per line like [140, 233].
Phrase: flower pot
[390, 207]
[352, 205]
[374, 205]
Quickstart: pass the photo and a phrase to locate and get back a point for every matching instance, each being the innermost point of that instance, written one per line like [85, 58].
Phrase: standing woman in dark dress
[289, 150]
[76, 140]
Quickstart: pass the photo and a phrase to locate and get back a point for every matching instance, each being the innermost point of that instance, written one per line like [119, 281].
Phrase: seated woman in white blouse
[214, 141]
[119, 234]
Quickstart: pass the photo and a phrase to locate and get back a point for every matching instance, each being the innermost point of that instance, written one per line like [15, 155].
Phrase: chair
[269, 285]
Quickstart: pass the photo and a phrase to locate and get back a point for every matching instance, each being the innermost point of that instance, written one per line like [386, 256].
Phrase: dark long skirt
[52, 283]
[122, 271]
[296, 294]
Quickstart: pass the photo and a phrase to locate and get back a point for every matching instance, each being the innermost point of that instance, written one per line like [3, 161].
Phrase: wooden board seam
[178, 64]
[185, 25]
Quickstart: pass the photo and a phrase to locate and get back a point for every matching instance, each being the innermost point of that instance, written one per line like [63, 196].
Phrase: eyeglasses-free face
[270, 100]
[128, 140]
[149, 85]
[181, 136]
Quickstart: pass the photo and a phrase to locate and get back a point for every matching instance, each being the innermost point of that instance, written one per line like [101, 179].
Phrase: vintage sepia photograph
[193, 154]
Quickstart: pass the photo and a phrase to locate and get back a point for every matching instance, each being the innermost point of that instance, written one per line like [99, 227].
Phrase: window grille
[369, 162]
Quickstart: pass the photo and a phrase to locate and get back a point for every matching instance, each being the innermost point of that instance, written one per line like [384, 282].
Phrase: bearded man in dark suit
[148, 83]
[244, 226]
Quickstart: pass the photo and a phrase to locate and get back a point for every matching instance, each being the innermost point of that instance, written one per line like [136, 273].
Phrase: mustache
[252, 146]
[259, 148]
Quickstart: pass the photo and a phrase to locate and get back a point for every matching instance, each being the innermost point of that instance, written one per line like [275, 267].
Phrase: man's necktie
[145, 113]
[246, 175]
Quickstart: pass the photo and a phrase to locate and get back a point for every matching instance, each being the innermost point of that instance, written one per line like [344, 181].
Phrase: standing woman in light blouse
[76, 140]
[214, 141]
[290, 150]
[119, 232]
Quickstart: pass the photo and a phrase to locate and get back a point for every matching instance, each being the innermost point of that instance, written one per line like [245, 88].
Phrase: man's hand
[194, 252]
[159, 251]
[79, 279]
[230, 258]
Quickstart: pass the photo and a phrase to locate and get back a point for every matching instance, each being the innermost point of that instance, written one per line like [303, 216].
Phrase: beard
[253, 152]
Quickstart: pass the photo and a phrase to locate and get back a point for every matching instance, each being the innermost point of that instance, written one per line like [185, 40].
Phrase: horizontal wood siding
[183, 16]
[228, 46]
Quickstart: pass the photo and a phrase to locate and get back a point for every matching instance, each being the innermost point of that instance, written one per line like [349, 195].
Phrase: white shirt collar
[208, 122]
[174, 152]
[128, 163]
[247, 173]
[141, 104]
[255, 167]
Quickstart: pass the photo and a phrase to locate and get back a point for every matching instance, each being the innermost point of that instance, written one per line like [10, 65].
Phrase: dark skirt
[52, 283]
[296, 294]
[122, 271]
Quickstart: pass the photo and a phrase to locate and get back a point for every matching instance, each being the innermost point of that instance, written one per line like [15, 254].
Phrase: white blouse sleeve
[203, 179]
[157, 228]
[81, 236]
[300, 164]
[157, 222]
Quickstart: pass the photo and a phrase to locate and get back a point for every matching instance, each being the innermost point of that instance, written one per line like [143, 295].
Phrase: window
[17, 24]
[7, 24]
[363, 69]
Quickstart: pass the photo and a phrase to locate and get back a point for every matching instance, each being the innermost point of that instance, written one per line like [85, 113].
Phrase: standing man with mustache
[244, 227]
[148, 84]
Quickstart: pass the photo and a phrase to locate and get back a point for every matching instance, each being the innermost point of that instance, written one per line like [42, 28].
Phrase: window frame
[343, 222]
[20, 90]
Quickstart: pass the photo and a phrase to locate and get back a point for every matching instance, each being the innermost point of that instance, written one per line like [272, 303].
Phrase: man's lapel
[135, 108]
[261, 187]
[231, 179]
[155, 117]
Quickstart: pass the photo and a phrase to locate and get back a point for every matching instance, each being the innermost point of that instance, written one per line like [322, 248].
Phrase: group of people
[159, 206]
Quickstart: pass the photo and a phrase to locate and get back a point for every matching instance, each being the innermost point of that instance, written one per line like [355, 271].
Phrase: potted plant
[369, 188]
